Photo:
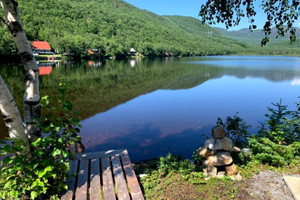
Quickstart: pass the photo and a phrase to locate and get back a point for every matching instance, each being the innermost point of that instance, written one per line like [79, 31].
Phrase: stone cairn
[216, 152]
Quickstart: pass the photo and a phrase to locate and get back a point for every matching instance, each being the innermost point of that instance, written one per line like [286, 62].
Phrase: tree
[32, 108]
[282, 14]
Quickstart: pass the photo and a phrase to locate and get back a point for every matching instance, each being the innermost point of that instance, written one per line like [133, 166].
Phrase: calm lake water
[152, 107]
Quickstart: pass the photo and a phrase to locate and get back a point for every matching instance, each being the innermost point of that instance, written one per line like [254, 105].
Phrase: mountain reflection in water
[152, 107]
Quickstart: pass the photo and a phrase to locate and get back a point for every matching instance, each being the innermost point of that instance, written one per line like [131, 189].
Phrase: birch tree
[32, 109]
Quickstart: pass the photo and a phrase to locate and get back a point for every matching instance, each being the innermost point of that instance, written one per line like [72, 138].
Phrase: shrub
[173, 163]
[43, 176]
[236, 129]
[277, 142]
[268, 152]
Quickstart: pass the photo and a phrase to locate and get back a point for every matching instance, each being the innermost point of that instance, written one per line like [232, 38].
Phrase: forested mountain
[114, 26]
[256, 36]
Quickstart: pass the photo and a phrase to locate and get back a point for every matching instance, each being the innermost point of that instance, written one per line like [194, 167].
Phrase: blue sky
[189, 8]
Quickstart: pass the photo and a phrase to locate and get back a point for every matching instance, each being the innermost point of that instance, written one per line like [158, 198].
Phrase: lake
[155, 106]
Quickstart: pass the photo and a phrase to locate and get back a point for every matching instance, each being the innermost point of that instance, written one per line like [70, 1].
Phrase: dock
[105, 175]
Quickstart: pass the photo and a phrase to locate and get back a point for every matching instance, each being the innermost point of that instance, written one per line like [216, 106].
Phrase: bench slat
[99, 154]
[81, 191]
[95, 186]
[121, 185]
[105, 175]
[108, 185]
[71, 180]
[132, 181]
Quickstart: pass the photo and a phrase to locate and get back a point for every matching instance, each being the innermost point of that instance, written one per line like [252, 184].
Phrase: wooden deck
[102, 175]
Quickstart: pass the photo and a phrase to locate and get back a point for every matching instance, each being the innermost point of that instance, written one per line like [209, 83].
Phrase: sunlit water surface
[176, 117]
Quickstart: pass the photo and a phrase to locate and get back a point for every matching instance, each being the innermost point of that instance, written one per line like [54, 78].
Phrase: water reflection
[162, 105]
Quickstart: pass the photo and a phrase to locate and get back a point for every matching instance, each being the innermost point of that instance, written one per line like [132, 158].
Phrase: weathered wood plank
[111, 190]
[120, 181]
[95, 186]
[99, 154]
[82, 184]
[133, 184]
[71, 180]
[108, 185]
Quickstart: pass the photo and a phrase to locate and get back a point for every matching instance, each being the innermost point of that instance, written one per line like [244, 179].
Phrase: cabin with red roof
[40, 46]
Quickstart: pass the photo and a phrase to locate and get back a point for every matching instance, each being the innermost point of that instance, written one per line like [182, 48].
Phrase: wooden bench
[106, 175]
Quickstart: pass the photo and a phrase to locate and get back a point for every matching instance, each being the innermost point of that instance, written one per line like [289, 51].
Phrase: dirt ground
[267, 185]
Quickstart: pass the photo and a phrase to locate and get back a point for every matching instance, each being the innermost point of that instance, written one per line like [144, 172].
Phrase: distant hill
[194, 26]
[114, 26]
[256, 36]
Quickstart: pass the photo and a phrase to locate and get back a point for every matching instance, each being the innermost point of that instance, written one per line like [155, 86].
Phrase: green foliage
[277, 143]
[236, 129]
[282, 14]
[43, 176]
[183, 181]
[163, 169]
[282, 125]
[268, 152]
[73, 26]
[173, 163]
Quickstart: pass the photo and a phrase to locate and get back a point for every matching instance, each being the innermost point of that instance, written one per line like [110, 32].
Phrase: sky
[190, 8]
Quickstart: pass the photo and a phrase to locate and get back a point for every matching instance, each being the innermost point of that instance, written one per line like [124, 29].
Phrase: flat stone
[218, 132]
[213, 144]
[231, 169]
[221, 174]
[226, 144]
[237, 177]
[236, 149]
[246, 151]
[219, 144]
[220, 158]
[205, 152]
[293, 184]
[208, 168]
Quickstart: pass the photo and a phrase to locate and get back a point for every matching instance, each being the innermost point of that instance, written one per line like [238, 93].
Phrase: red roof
[41, 45]
[45, 70]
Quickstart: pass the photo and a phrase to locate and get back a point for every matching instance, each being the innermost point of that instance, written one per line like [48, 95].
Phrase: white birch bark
[32, 106]
[11, 117]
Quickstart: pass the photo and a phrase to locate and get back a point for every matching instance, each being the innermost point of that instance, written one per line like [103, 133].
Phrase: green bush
[277, 142]
[236, 129]
[268, 152]
[173, 163]
[43, 176]
[282, 125]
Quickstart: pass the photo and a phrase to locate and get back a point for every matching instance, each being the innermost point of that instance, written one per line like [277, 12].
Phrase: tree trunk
[32, 108]
[11, 117]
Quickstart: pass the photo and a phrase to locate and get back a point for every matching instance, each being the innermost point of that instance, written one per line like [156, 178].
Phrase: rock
[220, 158]
[219, 144]
[236, 149]
[141, 175]
[237, 177]
[213, 144]
[246, 151]
[226, 144]
[205, 152]
[231, 170]
[208, 168]
[221, 174]
[218, 132]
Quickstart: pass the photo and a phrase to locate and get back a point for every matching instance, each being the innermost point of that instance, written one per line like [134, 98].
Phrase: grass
[171, 177]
